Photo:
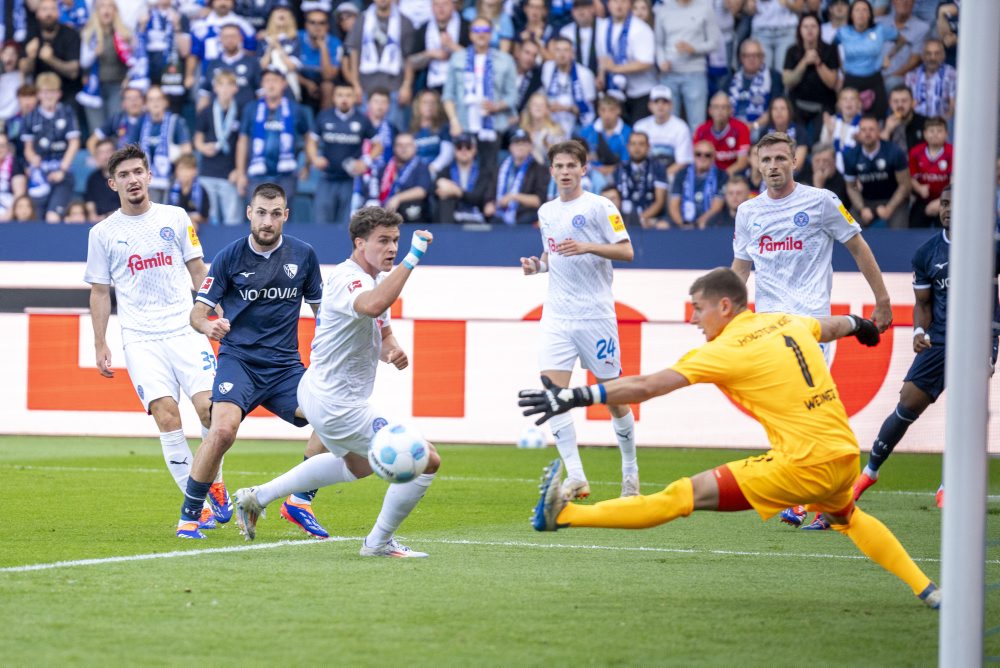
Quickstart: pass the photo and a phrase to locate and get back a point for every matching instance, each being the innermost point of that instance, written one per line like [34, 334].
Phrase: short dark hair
[868, 116]
[367, 218]
[722, 282]
[871, 13]
[127, 152]
[935, 121]
[772, 138]
[901, 88]
[379, 91]
[571, 147]
[269, 190]
[103, 141]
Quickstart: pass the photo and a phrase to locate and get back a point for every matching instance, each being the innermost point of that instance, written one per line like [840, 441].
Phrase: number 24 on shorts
[606, 348]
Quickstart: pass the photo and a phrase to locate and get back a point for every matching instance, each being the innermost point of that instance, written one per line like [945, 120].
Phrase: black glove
[864, 331]
[553, 399]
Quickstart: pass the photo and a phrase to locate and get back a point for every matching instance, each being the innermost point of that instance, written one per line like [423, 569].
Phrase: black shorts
[249, 386]
[927, 370]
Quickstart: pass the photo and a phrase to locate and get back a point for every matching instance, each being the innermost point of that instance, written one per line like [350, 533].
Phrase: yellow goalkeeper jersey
[771, 365]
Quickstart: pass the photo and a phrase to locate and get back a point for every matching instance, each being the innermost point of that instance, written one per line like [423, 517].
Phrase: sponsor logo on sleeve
[206, 285]
[617, 224]
[193, 236]
[353, 286]
[846, 214]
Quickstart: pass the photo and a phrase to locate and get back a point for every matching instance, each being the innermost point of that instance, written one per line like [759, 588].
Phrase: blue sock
[306, 496]
[194, 499]
[890, 434]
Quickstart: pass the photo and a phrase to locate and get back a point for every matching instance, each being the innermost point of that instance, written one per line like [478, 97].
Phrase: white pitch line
[442, 541]
[992, 498]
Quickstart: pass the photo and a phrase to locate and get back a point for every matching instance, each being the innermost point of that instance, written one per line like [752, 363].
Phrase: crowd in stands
[443, 110]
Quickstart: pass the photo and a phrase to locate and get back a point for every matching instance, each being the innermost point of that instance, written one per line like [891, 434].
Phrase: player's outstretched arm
[839, 326]
[374, 303]
[535, 265]
[621, 251]
[868, 267]
[213, 329]
[100, 312]
[553, 399]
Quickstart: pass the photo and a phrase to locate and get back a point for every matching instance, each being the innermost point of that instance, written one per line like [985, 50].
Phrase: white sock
[625, 432]
[564, 431]
[321, 470]
[400, 500]
[177, 455]
[871, 473]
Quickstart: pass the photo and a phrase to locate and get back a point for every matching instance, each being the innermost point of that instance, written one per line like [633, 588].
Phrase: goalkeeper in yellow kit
[768, 363]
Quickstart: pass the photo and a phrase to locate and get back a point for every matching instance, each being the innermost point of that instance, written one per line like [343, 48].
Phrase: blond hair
[94, 30]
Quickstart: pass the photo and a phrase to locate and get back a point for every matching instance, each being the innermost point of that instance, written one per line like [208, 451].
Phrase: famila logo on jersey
[266, 294]
[139, 263]
[769, 245]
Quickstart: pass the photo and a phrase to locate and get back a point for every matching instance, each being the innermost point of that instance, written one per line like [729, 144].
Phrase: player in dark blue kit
[924, 382]
[259, 282]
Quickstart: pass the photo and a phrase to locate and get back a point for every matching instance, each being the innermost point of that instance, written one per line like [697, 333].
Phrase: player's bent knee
[433, 460]
[357, 465]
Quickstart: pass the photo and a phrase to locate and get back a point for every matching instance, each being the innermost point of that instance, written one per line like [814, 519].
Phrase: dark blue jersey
[876, 173]
[930, 271]
[261, 296]
[51, 132]
[341, 136]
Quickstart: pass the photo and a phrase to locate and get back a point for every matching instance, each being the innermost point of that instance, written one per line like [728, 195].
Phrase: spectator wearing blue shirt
[205, 44]
[430, 130]
[642, 183]
[403, 184]
[121, 126]
[319, 55]
[339, 139]
[696, 196]
[164, 136]
[216, 134]
[614, 132]
[878, 179]
[863, 44]
[51, 141]
[233, 59]
[271, 134]
[502, 35]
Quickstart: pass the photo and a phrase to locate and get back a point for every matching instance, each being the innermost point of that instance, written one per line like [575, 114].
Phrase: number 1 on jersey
[800, 358]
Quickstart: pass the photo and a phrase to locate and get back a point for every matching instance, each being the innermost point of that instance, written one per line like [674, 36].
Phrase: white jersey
[580, 286]
[790, 242]
[145, 258]
[347, 345]
[671, 139]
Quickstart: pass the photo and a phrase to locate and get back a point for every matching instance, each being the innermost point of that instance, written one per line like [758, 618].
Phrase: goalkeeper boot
[391, 549]
[188, 529]
[864, 482]
[794, 515]
[939, 497]
[207, 519]
[551, 501]
[222, 505]
[819, 523]
[931, 596]
[301, 515]
[248, 511]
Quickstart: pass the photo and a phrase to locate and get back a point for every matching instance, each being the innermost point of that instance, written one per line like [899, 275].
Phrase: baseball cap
[347, 8]
[661, 93]
[272, 70]
[519, 135]
[465, 139]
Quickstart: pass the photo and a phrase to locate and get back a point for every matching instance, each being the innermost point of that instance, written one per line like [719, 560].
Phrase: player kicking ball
[152, 255]
[581, 234]
[767, 362]
[352, 335]
[924, 382]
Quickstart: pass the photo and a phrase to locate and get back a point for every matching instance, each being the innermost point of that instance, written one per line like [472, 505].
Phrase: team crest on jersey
[579, 222]
[225, 387]
[355, 126]
[291, 270]
[206, 285]
[880, 164]
[731, 142]
[167, 233]
[801, 219]
[942, 164]
[378, 423]
[140, 392]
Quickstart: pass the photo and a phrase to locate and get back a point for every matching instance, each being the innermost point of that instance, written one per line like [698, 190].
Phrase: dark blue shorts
[249, 386]
[927, 370]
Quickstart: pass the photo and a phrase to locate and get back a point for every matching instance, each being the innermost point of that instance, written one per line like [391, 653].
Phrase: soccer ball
[398, 453]
[532, 437]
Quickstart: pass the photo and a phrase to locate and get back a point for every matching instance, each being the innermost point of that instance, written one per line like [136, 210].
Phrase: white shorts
[595, 342]
[167, 367]
[341, 429]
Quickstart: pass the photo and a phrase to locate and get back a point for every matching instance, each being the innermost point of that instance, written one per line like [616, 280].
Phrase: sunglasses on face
[463, 147]
[702, 155]
[481, 30]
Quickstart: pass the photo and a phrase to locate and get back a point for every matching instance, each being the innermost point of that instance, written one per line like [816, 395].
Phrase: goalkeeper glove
[554, 400]
[864, 331]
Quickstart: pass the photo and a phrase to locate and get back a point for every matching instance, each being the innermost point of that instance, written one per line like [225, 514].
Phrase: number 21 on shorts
[606, 348]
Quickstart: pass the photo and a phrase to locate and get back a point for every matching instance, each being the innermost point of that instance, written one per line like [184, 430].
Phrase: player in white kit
[152, 255]
[786, 236]
[581, 234]
[353, 334]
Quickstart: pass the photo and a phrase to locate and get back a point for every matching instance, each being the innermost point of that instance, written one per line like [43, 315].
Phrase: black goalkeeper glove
[864, 331]
[553, 400]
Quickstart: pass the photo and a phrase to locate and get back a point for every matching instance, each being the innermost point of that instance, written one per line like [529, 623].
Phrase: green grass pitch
[712, 589]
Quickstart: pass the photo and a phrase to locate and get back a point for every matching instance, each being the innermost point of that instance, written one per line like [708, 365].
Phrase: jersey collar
[267, 254]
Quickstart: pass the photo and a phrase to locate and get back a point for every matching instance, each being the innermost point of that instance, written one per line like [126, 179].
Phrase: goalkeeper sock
[633, 512]
[889, 435]
[625, 432]
[321, 470]
[400, 500]
[177, 455]
[879, 544]
[564, 431]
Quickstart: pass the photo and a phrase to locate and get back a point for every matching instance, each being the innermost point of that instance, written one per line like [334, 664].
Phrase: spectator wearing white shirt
[669, 136]
[626, 59]
[569, 87]
[686, 32]
[581, 33]
[774, 24]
